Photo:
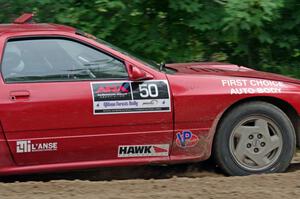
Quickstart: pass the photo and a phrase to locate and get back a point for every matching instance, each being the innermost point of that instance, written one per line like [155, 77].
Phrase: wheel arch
[286, 107]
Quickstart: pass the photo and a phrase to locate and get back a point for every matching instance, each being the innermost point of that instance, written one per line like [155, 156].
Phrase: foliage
[262, 34]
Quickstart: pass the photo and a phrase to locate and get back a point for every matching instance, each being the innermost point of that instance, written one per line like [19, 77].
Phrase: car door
[65, 101]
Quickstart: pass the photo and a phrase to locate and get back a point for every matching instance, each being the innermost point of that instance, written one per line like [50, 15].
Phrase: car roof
[34, 27]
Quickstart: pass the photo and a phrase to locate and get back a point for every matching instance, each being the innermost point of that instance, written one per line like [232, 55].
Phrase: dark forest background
[261, 34]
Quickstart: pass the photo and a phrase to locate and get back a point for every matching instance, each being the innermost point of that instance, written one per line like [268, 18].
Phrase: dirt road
[176, 182]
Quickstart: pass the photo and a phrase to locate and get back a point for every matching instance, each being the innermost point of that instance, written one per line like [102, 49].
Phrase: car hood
[223, 69]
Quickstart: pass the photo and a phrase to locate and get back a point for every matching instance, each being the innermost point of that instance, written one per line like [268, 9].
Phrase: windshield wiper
[162, 66]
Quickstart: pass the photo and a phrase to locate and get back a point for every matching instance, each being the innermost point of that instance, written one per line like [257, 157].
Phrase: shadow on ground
[124, 173]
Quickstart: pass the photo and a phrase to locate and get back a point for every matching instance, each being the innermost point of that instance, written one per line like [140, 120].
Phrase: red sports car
[71, 101]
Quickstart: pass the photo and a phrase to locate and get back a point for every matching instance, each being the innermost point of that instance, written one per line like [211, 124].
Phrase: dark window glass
[57, 60]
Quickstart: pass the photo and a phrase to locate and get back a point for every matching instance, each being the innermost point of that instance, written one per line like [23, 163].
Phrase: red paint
[62, 112]
[25, 18]
[159, 150]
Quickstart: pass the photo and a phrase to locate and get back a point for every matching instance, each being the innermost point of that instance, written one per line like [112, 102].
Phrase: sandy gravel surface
[176, 182]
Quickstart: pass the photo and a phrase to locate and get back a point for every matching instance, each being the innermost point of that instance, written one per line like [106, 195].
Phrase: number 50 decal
[147, 90]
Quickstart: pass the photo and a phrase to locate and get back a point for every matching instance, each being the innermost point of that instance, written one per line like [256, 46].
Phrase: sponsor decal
[124, 88]
[131, 97]
[246, 86]
[26, 146]
[186, 139]
[143, 150]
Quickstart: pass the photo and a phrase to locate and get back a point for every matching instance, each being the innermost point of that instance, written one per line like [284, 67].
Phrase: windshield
[138, 58]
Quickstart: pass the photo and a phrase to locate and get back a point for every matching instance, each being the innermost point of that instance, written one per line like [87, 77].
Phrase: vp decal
[131, 97]
[143, 150]
[186, 139]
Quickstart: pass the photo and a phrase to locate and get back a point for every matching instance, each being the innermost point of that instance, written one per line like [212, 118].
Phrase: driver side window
[53, 59]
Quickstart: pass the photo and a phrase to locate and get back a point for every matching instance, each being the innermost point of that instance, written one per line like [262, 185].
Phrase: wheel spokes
[245, 131]
[263, 127]
[274, 143]
[254, 146]
[258, 159]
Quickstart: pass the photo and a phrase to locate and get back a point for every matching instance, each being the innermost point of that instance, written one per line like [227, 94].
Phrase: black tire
[225, 156]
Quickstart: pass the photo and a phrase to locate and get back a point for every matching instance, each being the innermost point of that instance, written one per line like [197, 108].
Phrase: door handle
[19, 95]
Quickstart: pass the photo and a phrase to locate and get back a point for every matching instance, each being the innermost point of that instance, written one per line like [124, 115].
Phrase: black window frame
[39, 37]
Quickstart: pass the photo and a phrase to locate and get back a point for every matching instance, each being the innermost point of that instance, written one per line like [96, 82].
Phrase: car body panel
[62, 112]
[224, 69]
[200, 100]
